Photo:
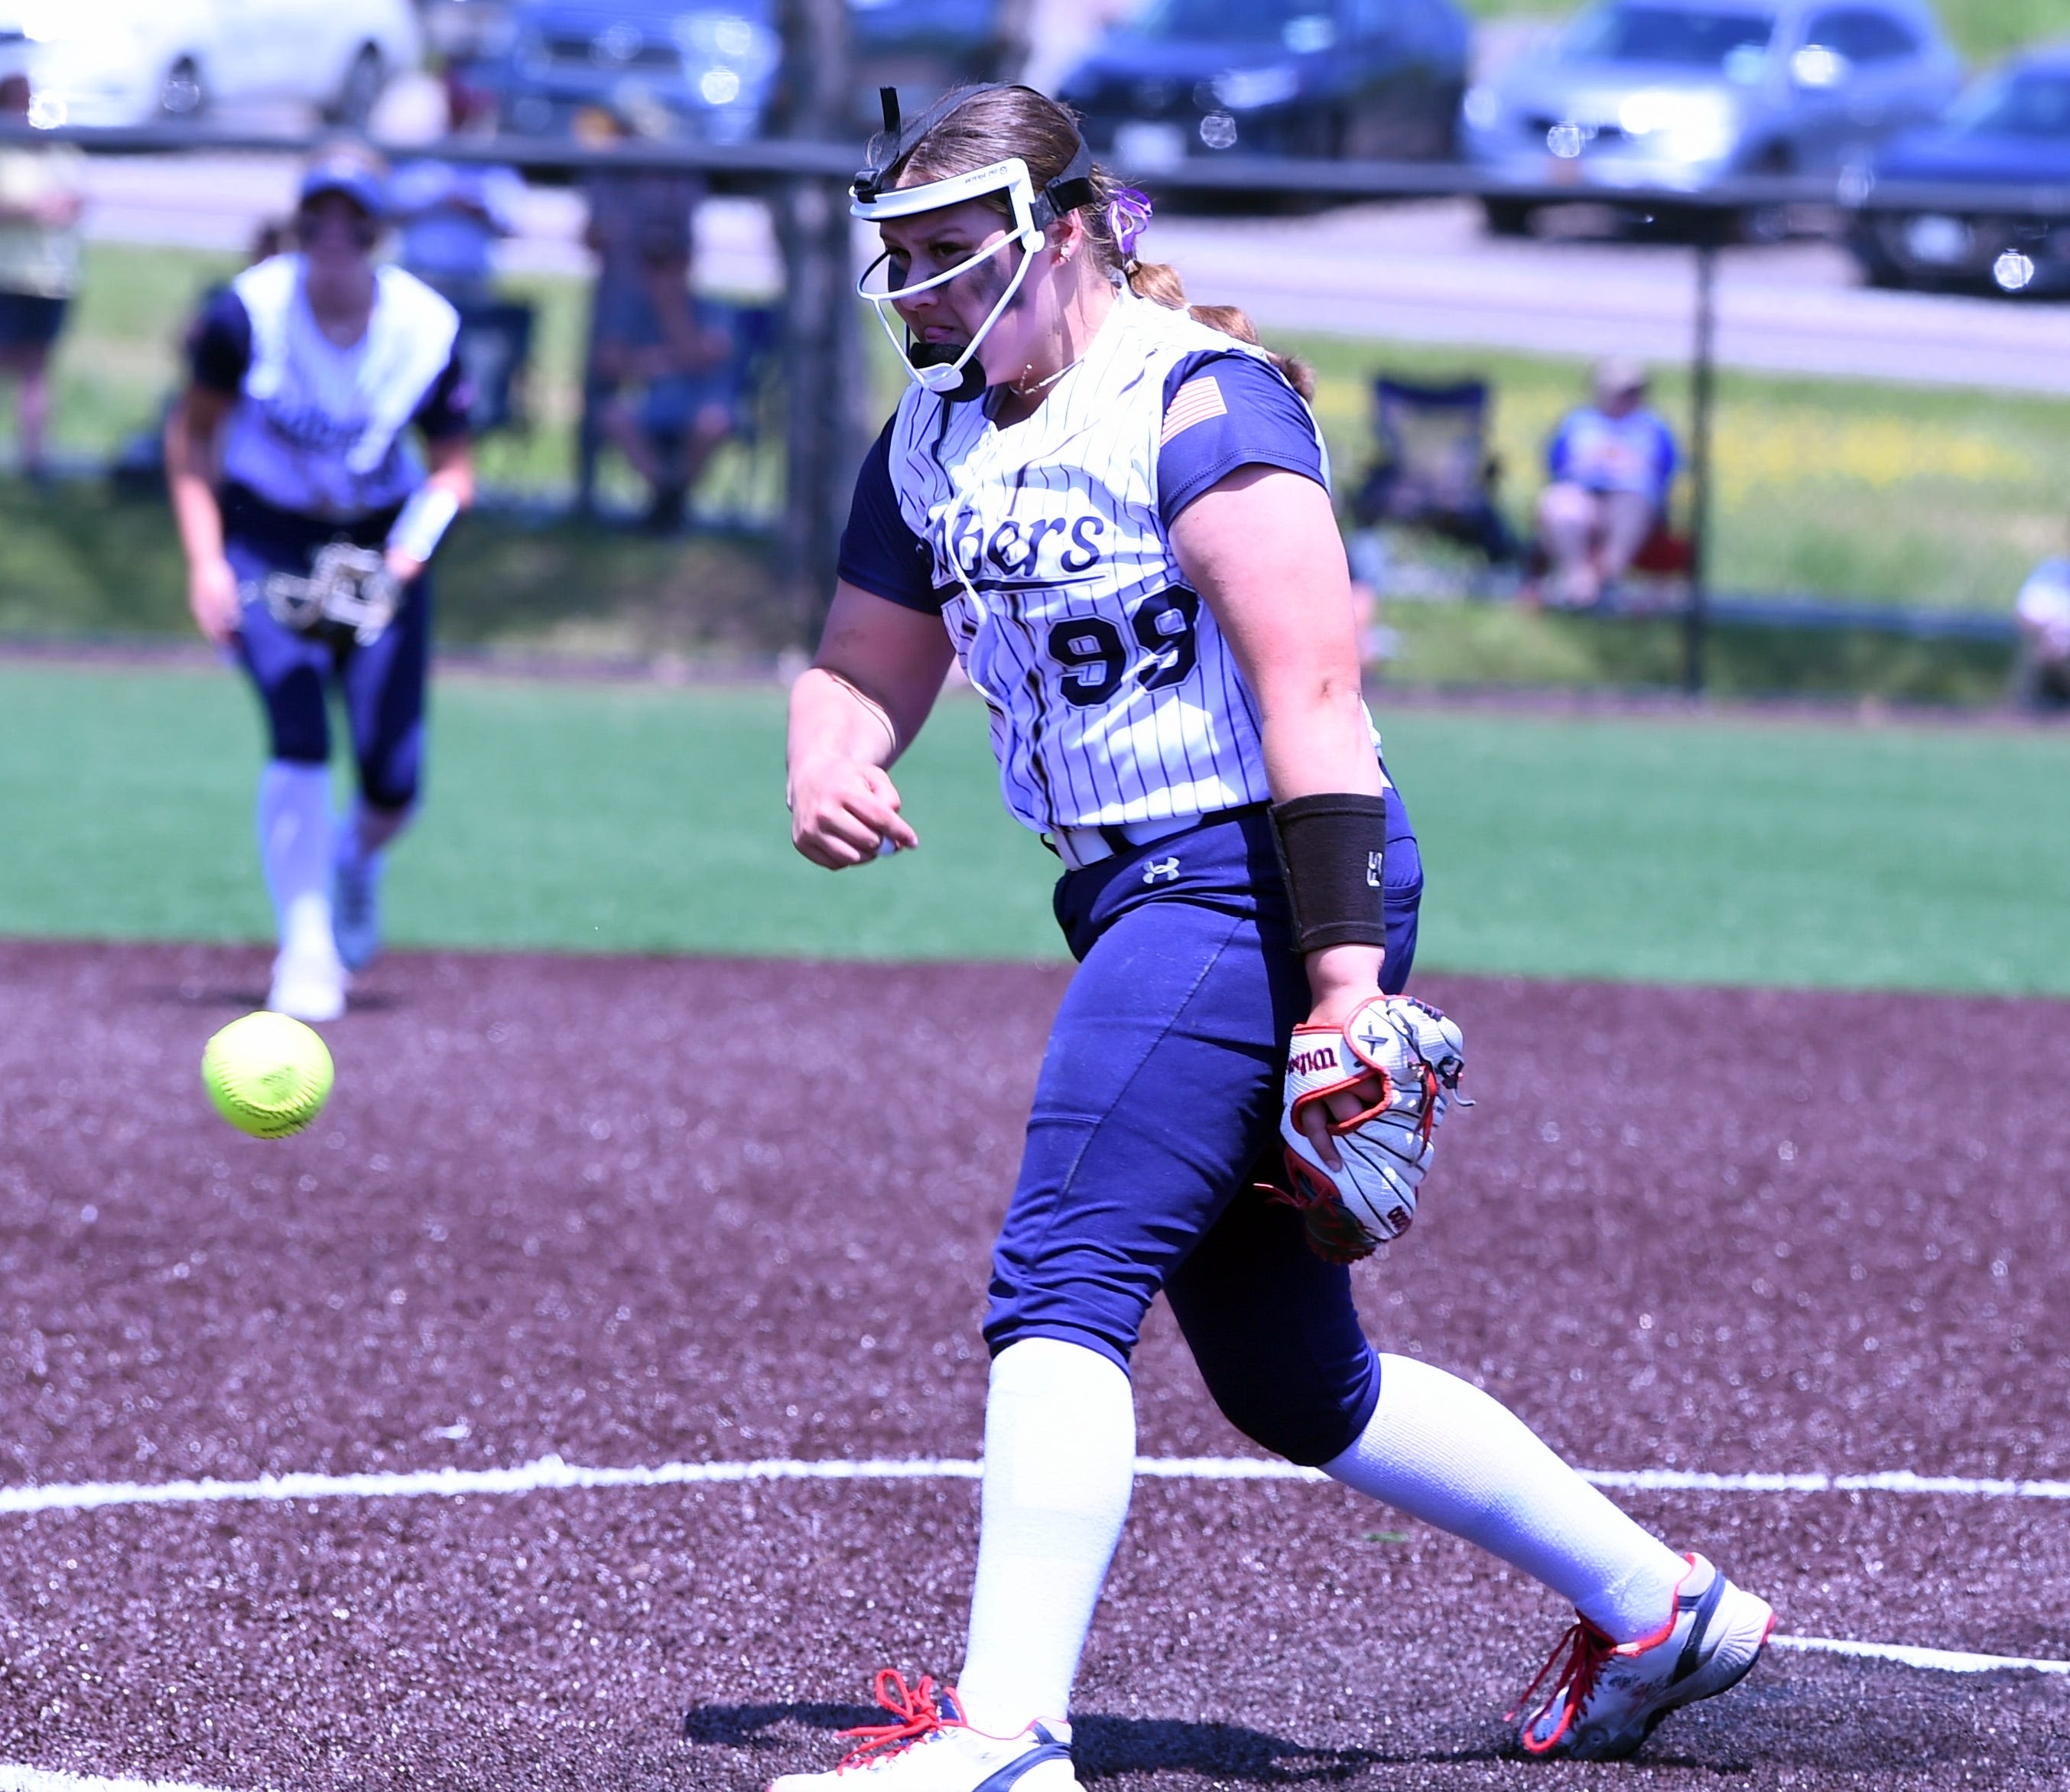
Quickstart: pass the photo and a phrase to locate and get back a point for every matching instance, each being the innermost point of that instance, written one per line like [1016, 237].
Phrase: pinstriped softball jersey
[1046, 548]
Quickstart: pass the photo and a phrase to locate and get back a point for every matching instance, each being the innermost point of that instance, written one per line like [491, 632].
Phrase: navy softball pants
[1158, 1105]
[382, 684]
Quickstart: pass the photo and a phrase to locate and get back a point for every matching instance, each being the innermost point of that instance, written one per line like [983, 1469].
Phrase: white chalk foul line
[550, 1473]
[1945, 1661]
[37, 1779]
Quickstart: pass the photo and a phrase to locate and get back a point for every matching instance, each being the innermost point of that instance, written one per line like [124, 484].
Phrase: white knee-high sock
[1443, 1451]
[1059, 1466]
[295, 845]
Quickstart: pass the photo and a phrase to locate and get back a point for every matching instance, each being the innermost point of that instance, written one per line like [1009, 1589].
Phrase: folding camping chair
[1434, 468]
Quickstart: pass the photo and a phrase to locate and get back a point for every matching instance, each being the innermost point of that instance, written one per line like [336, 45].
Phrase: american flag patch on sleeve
[1198, 400]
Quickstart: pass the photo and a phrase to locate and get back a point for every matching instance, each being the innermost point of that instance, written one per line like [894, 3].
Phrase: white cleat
[1606, 1697]
[307, 988]
[930, 1749]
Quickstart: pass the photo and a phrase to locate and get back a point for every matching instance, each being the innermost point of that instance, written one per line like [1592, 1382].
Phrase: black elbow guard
[1333, 849]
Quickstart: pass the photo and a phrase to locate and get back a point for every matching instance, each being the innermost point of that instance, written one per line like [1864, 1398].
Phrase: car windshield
[1679, 36]
[1228, 21]
[2033, 105]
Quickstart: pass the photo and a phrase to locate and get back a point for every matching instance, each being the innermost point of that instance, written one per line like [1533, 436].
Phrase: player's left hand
[1395, 1061]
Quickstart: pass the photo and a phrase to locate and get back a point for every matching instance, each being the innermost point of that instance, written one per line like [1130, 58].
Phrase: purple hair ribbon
[1127, 217]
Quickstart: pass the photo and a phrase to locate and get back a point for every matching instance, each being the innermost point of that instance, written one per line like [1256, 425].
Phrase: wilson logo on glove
[1417, 1055]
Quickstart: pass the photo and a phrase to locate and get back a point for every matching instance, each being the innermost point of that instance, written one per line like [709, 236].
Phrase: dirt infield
[638, 1212]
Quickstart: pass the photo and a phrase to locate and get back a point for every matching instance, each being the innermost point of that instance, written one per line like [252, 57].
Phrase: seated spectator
[450, 215]
[639, 220]
[1612, 467]
[2043, 611]
[674, 386]
[41, 189]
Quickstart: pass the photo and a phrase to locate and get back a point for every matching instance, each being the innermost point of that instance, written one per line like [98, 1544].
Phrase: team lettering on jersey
[311, 428]
[1038, 551]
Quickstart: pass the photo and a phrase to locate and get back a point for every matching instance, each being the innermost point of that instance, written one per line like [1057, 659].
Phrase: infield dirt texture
[636, 1213]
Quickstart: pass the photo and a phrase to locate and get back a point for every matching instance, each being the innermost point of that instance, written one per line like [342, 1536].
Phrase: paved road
[1415, 272]
[1425, 272]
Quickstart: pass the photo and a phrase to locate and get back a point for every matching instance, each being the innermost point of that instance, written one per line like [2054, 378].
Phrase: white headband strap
[1009, 176]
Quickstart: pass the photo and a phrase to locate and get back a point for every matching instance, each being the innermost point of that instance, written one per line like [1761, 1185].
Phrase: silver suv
[1678, 94]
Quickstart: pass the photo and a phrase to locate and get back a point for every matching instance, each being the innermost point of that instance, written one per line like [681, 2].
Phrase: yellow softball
[268, 1075]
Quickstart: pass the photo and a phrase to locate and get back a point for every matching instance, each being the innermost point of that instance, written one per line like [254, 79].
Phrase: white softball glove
[1370, 1198]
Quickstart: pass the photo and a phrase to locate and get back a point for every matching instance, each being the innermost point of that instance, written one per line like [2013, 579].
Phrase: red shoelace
[914, 1708]
[1586, 1649]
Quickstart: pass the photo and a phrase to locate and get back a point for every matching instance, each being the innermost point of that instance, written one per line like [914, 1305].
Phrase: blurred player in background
[309, 517]
[1118, 519]
[2043, 611]
[1612, 468]
[42, 194]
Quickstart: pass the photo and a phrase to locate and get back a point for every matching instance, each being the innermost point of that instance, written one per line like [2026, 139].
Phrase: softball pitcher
[1119, 520]
[308, 519]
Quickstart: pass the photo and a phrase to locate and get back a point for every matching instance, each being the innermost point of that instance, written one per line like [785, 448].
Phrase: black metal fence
[803, 179]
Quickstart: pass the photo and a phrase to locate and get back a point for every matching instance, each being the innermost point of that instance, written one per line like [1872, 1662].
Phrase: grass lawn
[1842, 488]
[643, 817]
[1980, 28]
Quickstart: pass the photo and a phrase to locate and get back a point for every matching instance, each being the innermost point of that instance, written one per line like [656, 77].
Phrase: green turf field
[641, 817]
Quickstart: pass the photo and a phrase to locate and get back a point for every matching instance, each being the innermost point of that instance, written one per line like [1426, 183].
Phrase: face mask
[938, 367]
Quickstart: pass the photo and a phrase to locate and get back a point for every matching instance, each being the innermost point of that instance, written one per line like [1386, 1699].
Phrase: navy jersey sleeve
[219, 345]
[879, 551]
[444, 414]
[1223, 411]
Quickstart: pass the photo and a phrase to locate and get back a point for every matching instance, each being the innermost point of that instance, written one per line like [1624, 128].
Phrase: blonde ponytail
[1157, 281]
[1234, 321]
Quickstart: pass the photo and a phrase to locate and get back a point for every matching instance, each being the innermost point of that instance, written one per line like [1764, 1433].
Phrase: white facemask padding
[1009, 176]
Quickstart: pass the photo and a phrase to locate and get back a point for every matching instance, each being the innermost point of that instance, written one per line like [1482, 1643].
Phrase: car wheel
[180, 95]
[1508, 217]
[1764, 224]
[361, 88]
[1880, 268]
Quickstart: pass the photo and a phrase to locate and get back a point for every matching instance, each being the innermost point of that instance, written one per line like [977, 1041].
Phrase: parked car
[923, 47]
[704, 70]
[2013, 128]
[1192, 78]
[1679, 94]
[707, 69]
[141, 62]
[464, 32]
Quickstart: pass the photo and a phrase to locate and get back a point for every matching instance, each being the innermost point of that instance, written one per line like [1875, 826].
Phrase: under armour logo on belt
[1161, 868]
